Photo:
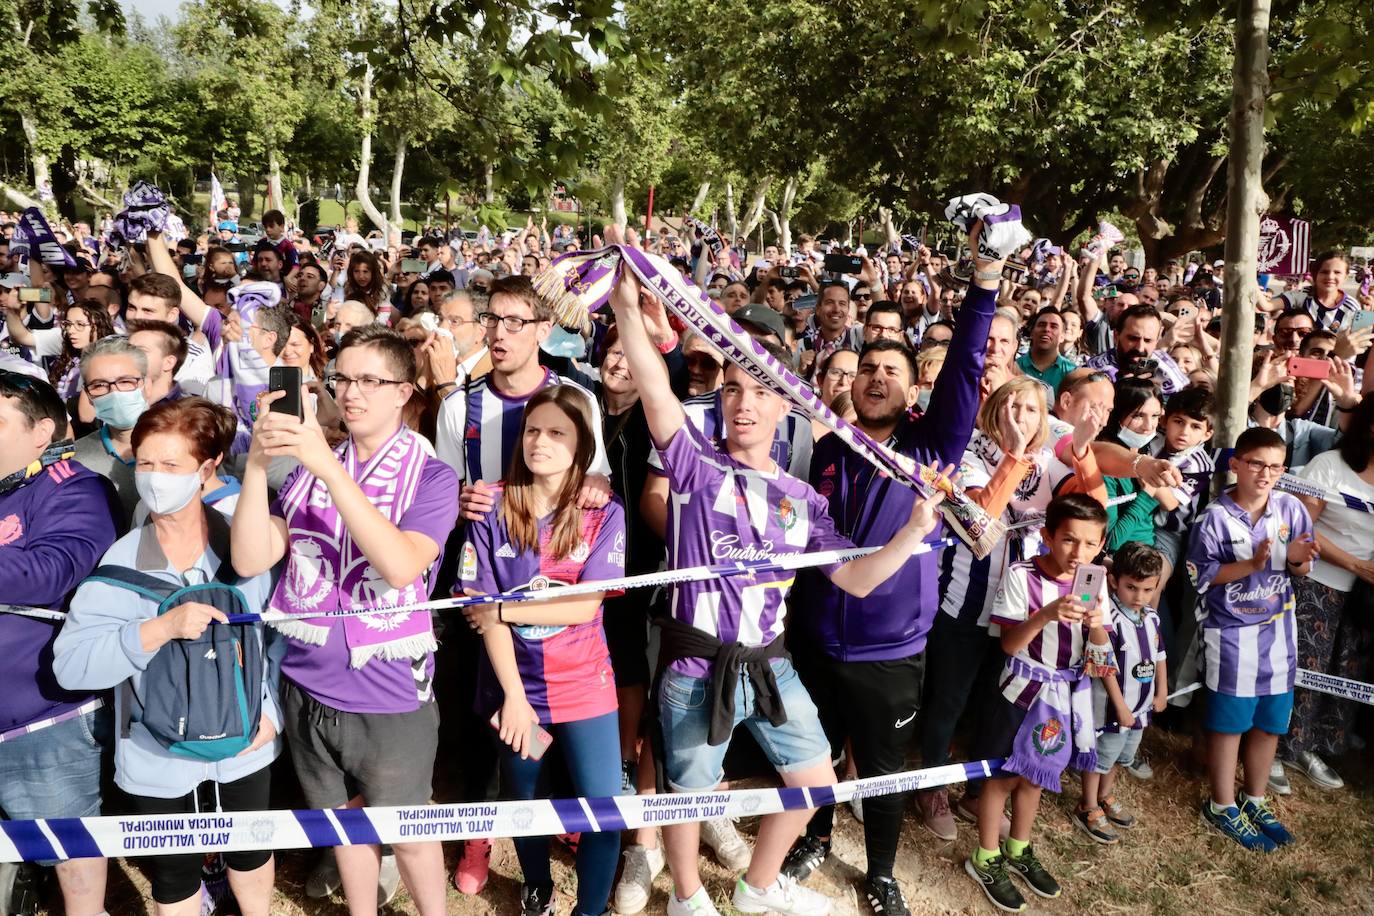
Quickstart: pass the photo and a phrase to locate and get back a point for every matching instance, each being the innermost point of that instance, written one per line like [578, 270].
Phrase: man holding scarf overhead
[360, 527]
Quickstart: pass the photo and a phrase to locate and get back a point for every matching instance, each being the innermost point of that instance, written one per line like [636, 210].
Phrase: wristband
[669, 345]
[501, 612]
[987, 275]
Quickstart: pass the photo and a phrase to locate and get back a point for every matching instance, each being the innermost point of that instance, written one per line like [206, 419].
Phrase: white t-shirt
[1345, 528]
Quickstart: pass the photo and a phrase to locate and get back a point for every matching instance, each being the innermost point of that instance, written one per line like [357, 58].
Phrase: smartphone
[35, 294]
[413, 265]
[1364, 318]
[789, 273]
[1087, 582]
[1301, 367]
[286, 379]
[538, 741]
[843, 263]
[235, 247]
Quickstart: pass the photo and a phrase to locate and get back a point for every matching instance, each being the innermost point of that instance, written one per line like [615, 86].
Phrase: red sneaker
[474, 867]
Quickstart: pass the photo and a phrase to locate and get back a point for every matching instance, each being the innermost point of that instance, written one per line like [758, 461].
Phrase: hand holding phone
[1087, 583]
[532, 745]
[1303, 367]
[288, 380]
[1364, 318]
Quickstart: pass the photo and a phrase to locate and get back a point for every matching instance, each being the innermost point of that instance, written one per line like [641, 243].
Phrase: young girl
[1133, 423]
[547, 663]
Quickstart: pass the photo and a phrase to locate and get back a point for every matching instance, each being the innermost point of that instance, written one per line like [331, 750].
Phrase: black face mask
[1275, 401]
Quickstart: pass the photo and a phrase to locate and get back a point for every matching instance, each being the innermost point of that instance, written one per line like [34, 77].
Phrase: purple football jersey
[720, 511]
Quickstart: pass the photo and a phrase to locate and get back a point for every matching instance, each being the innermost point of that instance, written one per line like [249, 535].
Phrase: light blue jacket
[100, 647]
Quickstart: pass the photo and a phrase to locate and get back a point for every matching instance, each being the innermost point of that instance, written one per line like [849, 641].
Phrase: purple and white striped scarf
[581, 281]
[326, 571]
[240, 365]
[145, 208]
[1057, 732]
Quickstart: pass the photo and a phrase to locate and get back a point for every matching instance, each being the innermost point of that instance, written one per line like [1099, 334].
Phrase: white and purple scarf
[35, 238]
[145, 208]
[326, 571]
[581, 281]
[1057, 732]
[245, 372]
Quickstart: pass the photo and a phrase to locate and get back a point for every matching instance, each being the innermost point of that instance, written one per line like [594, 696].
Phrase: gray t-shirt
[93, 452]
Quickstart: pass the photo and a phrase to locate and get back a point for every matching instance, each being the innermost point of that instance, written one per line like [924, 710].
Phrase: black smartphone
[192, 258]
[843, 263]
[789, 273]
[287, 379]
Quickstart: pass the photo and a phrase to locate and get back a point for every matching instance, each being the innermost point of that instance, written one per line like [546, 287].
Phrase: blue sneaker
[1263, 817]
[1234, 824]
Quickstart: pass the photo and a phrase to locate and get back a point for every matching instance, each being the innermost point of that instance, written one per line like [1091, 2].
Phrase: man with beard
[862, 659]
[1133, 352]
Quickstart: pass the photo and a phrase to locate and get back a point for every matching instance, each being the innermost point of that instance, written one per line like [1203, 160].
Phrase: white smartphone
[1087, 582]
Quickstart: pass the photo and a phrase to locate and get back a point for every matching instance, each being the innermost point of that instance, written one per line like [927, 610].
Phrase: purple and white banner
[34, 232]
[239, 831]
[1284, 246]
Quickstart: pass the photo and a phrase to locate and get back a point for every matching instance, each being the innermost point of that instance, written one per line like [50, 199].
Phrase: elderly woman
[113, 637]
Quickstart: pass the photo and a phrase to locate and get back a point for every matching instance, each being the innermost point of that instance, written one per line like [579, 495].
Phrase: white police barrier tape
[240, 831]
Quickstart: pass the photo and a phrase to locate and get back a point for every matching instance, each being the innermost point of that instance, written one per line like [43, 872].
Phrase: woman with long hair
[547, 665]
[1133, 423]
[85, 322]
[365, 281]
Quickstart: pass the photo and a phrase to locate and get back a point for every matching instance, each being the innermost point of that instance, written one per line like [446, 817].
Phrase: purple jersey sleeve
[213, 328]
[682, 460]
[434, 510]
[1011, 606]
[1205, 553]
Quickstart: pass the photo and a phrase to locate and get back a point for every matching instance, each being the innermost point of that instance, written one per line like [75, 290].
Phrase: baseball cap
[760, 317]
[13, 280]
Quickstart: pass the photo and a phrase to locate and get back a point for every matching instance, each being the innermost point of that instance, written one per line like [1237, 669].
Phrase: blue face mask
[120, 409]
[562, 342]
[923, 398]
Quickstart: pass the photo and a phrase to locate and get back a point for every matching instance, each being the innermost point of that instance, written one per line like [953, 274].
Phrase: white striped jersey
[791, 442]
[1138, 648]
[1249, 627]
[479, 428]
[1197, 466]
[1025, 589]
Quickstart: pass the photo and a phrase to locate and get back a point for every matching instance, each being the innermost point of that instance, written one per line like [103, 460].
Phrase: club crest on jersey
[1144, 672]
[1284, 531]
[1048, 737]
[1192, 571]
[785, 514]
[580, 552]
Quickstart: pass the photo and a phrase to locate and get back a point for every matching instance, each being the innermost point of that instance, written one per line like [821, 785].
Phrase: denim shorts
[692, 765]
[1117, 748]
[55, 772]
[1228, 715]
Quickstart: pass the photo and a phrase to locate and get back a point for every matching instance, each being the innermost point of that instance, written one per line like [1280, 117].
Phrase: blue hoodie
[895, 618]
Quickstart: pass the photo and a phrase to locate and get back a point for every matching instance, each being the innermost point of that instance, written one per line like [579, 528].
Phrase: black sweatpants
[874, 705]
[961, 677]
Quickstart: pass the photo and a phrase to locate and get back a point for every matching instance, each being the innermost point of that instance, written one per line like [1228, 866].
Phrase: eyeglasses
[934, 343]
[1259, 467]
[837, 373]
[458, 322]
[79, 325]
[882, 331]
[367, 384]
[100, 388]
[512, 323]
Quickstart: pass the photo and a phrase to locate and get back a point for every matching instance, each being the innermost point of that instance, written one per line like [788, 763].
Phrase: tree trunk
[618, 200]
[1246, 200]
[17, 197]
[42, 168]
[754, 215]
[489, 186]
[700, 200]
[731, 217]
[789, 196]
[365, 159]
[274, 198]
[894, 238]
[397, 170]
[248, 193]
[64, 183]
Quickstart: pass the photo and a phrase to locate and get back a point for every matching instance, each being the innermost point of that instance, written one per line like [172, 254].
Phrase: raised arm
[661, 407]
[192, 306]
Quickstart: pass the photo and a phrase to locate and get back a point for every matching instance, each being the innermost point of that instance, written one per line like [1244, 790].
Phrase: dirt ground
[1169, 864]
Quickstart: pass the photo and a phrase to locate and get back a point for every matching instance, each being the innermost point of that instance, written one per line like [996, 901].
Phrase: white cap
[1218, 263]
[13, 280]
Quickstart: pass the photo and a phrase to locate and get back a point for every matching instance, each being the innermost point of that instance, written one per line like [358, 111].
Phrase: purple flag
[1283, 246]
[35, 232]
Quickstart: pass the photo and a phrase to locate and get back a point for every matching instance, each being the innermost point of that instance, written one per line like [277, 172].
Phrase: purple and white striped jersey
[719, 511]
[791, 443]
[479, 428]
[1336, 318]
[1138, 648]
[1025, 589]
[1197, 465]
[1249, 627]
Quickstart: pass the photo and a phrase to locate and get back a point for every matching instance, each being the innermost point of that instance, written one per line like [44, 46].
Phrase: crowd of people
[451, 438]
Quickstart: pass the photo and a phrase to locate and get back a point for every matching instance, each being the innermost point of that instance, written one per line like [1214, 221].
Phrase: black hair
[1258, 437]
[1139, 310]
[429, 240]
[887, 305]
[1136, 560]
[884, 345]
[778, 352]
[1334, 254]
[1358, 442]
[1195, 403]
[820, 293]
[825, 363]
[37, 400]
[1074, 507]
[1294, 312]
[1047, 310]
[1131, 395]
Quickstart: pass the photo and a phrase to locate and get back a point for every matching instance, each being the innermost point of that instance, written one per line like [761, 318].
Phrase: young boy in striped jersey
[1246, 548]
[1122, 703]
[1043, 722]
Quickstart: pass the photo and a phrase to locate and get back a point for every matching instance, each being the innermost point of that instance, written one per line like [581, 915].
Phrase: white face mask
[1132, 439]
[164, 493]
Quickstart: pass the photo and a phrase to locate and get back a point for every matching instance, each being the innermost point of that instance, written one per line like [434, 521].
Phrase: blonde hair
[990, 414]
[935, 356]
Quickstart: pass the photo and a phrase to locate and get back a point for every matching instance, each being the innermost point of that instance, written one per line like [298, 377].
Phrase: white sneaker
[856, 807]
[388, 880]
[699, 904]
[637, 879]
[785, 897]
[731, 850]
